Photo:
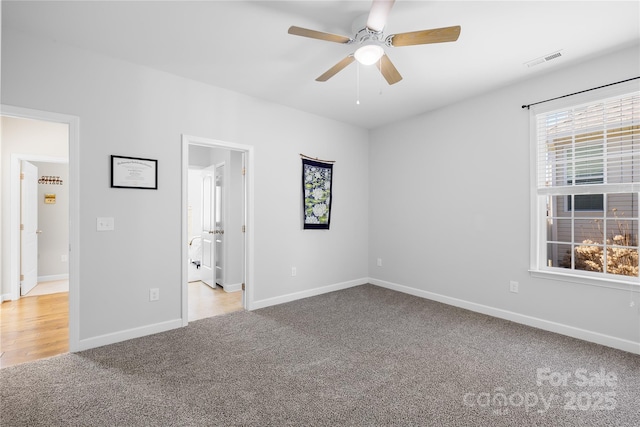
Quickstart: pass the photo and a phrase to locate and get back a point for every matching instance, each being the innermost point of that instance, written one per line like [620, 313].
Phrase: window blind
[591, 148]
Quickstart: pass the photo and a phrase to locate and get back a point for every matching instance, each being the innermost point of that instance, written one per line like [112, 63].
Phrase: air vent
[543, 59]
[552, 56]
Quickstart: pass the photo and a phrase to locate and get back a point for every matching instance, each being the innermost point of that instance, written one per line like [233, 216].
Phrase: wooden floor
[207, 302]
[50, 287]
[36, 327]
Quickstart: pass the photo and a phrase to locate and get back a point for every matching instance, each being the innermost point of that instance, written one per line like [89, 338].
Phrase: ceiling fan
[372, 41]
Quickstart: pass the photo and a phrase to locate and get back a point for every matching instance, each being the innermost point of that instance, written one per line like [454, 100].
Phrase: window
[587, 167]
[585, 172]
[586, 202]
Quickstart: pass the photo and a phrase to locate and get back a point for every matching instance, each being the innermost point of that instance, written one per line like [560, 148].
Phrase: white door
[29, 228]
[213, 225]
[219, 224]
[208, 274]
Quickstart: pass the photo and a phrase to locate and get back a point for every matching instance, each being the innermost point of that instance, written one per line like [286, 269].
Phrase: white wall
[436, 236]
[33, 139]
[449, 210]
[199, 157]
[130, 110]
[194, 228]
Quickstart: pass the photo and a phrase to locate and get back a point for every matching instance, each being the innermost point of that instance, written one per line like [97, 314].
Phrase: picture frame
[317, 183]
[134, 172]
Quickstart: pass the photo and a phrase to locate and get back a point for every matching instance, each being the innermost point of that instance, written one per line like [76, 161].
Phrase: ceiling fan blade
[436, 35]
[335, 69]
[378, 14]
[388, 70]
[297, 31]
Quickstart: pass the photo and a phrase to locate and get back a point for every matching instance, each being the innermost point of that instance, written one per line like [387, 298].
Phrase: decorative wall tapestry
[316, 191]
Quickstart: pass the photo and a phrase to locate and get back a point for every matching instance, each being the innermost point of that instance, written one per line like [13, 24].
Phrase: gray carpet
[363, 356]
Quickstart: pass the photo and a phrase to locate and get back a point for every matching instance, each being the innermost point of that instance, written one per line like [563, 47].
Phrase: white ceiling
[244, 46]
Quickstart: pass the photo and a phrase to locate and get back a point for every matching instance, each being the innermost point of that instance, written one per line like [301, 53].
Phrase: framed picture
[134, 172]
[317, 178]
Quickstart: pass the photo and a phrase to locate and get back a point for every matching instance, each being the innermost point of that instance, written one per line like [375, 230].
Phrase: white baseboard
[53, 277]
[6, 297]
[559, 328]
[119, 336]
[128, 334]
[308, 293]
[232, 287]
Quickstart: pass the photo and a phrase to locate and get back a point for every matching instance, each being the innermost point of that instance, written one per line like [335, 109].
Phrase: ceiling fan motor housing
[364, 33]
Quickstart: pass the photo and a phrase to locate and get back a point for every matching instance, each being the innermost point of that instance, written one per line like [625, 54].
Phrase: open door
[207, 268]
[219, 224]
[212, 225]
[28, 227]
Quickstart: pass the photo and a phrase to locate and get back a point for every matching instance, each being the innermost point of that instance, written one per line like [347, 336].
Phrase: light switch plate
[105, 224]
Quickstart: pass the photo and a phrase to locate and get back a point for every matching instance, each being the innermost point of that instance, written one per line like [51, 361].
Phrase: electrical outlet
[154, 294]
[293, 271]
[513, 286]
[379, 262]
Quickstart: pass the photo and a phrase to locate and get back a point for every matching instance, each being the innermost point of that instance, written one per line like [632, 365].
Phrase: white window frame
[538, 237]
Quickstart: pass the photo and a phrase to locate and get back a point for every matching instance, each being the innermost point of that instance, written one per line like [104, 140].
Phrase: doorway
[31, 146]
[217, 232]
[39, 147]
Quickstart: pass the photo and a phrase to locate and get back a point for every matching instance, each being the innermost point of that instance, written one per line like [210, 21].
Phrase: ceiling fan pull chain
[380, 76]
[357, 83]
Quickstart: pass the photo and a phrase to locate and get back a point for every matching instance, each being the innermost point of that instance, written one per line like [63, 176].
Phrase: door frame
[248, 150]
[74, 211]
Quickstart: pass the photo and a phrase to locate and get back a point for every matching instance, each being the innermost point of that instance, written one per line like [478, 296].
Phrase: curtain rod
[317, 159]
[576, 93]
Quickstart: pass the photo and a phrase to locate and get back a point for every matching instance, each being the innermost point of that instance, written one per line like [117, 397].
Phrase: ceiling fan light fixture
[369, 54]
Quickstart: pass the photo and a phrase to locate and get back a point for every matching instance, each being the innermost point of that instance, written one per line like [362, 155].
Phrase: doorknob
[38, 231]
